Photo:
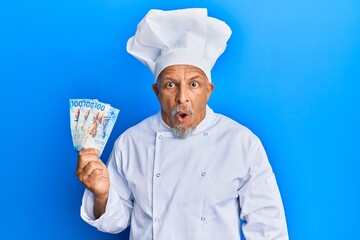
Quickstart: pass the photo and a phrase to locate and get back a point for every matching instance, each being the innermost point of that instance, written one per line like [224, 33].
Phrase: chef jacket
[196, 188]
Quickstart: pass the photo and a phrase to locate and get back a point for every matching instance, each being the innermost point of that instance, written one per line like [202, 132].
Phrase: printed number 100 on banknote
[91, 123]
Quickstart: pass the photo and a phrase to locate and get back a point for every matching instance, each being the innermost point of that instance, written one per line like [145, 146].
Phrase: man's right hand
[93, 173]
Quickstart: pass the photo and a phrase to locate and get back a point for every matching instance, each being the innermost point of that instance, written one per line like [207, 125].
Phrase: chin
[181, 132]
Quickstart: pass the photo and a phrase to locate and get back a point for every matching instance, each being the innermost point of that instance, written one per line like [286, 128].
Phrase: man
[186, 172]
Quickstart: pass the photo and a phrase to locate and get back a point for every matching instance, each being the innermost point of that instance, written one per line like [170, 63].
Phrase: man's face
[183, 91]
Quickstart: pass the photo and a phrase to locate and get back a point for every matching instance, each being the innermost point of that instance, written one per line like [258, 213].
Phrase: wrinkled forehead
[181, 71]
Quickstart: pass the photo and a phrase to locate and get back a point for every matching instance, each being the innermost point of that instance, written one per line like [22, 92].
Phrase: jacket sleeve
[260, 201]
[119, 205]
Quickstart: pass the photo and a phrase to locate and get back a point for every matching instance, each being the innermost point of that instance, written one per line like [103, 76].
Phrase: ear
[155, 89]
[209, 89]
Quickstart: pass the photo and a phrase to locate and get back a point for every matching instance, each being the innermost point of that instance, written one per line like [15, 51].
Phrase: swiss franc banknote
[86, 106]
[91, 123]
[75, 105]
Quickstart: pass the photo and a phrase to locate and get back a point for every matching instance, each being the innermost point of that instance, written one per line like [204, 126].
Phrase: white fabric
[186, 36]
[196, 188]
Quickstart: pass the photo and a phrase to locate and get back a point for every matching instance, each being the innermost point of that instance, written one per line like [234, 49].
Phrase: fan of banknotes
[91, 123]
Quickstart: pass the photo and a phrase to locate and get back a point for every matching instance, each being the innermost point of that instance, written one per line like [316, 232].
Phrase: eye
[194, 84]
[170, 85]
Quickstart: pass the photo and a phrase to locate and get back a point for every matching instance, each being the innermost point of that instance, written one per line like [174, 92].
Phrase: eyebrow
[195, 77]
[167, 78]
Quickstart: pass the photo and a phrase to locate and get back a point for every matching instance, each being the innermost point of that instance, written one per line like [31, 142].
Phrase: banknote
[85, 108]
[75, 105]
[98, 127]
[91, 123]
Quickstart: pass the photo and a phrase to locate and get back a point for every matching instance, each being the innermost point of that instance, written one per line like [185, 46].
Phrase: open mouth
[182, 116]
[182, 113]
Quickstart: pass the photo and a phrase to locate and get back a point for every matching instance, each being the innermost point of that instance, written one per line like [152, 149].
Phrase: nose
[182, 95]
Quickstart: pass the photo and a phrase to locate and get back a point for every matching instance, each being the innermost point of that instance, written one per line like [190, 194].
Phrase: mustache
[182, 108]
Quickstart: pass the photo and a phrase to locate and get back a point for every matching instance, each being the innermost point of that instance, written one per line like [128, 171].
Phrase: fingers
[85, 156]
[93, 168]
[90, 151]
[88, 161]
[92, 172]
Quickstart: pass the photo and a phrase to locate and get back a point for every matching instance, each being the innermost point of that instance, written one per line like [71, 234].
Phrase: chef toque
[186, 36]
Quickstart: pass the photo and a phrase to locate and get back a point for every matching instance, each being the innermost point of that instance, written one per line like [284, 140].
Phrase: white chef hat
[186, 36]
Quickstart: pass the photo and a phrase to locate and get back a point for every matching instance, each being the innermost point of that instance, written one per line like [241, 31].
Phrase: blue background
[290, 73]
